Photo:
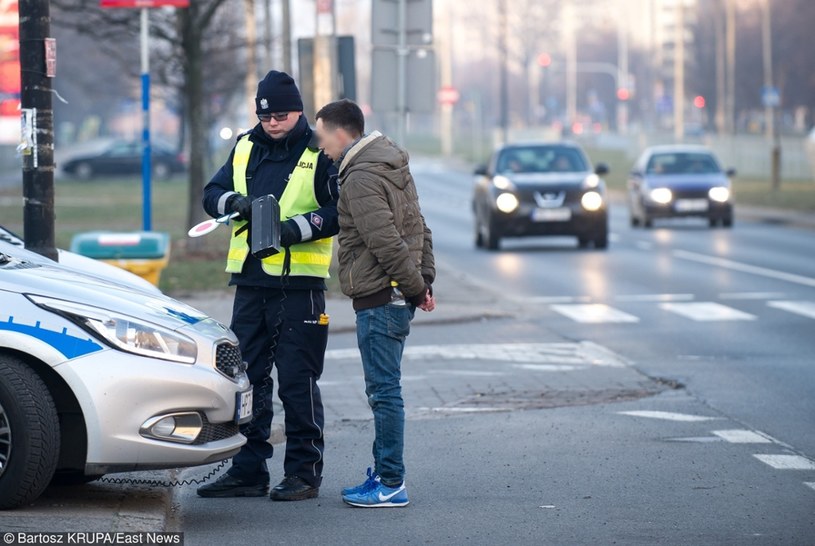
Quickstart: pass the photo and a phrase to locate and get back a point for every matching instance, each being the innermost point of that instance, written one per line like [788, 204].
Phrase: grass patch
[115, 205]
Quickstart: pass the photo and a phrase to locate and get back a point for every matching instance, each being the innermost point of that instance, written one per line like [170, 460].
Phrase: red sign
[448, 95]
[144, 3]
[50, 57]
[9, 59]
[325, 6]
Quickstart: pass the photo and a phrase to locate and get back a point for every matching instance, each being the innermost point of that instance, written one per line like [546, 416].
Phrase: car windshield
[541, 159]
[682, 163]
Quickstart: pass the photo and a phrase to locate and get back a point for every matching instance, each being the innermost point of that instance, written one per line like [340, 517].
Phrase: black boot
[293, 488]
[230, 486]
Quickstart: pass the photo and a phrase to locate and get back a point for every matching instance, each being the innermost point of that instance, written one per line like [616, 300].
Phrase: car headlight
[592, 201]
[591, 181]
[719, 194]
[125, 333]
[507, 202]
[662, 196]
[502, 182]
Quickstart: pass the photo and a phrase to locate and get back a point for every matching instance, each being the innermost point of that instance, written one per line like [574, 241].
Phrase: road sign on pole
[403, 60]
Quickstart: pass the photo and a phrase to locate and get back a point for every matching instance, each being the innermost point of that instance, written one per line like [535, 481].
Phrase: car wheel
[635, 222]
[712, 222]
[29, 434]
[727, 222]
[84, 171]
[601, 240]
[647, 223]
[492, 239]
[479, 236]
[161, 171]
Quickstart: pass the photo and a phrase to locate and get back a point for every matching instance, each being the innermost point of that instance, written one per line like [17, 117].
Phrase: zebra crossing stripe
[706, 311]
[742, 437]
[803, 308]
[594, 313]
[786, 462]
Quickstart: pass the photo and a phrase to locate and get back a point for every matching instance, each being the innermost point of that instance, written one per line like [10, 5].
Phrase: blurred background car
[677, 182]
[124, 158]
[540, 189]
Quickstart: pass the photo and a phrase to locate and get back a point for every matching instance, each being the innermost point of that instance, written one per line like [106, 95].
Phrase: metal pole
[286, 16]
[38, 159]
[679, 73]
[401, 72]
[146, 169]
[571, 65]
[767, 57]
[772, 129]
[622, 68]
[504, 81]
[730, 52]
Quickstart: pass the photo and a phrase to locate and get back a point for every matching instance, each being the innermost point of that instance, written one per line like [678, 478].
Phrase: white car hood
[25, 277]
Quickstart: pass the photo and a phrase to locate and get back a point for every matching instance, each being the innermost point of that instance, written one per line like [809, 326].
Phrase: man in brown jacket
[386, 267]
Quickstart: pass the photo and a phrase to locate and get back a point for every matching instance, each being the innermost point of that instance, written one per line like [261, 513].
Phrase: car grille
[228, 360]
[689, 193]
[212, 432]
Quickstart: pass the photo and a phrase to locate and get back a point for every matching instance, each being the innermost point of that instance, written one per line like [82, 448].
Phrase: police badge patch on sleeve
[316, 220]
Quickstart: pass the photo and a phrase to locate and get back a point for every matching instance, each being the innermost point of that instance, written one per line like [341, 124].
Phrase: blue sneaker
[379, 496]
[370, 483]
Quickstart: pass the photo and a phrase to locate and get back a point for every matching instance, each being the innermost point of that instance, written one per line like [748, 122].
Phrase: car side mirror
[731, 172]
[601, 169]
[481, 170]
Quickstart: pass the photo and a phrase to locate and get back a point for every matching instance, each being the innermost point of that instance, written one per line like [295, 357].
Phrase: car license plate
[562, 214]
[243, 407]
[691, 205]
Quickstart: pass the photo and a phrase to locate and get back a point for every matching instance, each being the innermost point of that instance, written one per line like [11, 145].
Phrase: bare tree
[193, 57]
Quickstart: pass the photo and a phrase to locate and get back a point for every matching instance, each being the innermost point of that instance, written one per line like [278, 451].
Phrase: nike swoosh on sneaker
[385, 498]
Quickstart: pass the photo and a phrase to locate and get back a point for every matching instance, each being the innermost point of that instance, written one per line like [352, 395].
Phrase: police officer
[279, 318]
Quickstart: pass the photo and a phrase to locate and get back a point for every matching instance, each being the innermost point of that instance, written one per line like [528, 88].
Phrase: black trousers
[282, 330]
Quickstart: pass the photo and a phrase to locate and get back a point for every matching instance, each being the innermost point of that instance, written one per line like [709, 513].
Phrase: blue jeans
[381, 333]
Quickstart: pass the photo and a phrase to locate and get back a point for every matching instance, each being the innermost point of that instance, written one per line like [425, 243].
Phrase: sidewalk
[458, 300]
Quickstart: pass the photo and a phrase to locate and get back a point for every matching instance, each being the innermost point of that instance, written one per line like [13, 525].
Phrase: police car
[98, 378]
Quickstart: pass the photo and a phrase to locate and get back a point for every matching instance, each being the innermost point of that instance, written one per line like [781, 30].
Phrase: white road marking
[553, 299]
[465, 410]
[810, 484]
[745, 268]
[786, 462]
[593, 313]
[750, 295]
[705, 311]
[614, 238]
[669, 416]
[580, 354]
[546, 367]
[655, 297]
[742, 437]
[803, 308]
[645, 245]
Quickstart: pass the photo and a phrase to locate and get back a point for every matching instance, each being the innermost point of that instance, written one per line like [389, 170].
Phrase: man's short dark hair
[343, 114]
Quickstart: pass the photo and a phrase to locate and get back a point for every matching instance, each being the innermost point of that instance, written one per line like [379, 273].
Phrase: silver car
[98, 378]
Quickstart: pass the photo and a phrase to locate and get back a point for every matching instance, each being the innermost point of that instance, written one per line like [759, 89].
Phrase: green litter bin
[144, 253]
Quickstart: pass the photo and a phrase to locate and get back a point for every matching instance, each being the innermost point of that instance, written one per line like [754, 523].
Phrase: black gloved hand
[289, 233]
[240, 204]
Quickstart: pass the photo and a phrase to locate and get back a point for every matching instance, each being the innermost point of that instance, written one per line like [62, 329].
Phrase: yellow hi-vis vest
[309, 259]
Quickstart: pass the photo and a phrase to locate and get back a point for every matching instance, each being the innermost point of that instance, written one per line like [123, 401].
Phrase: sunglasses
[277, 117]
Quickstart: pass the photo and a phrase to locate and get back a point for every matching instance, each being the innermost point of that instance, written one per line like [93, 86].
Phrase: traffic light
[544, 60]
[699, 101]
[623, 94]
